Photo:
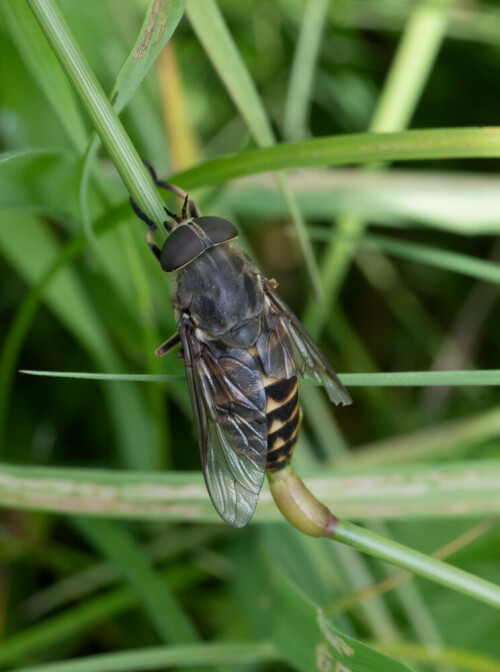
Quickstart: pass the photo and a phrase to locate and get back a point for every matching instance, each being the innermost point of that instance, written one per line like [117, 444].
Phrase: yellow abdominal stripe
[278, 425]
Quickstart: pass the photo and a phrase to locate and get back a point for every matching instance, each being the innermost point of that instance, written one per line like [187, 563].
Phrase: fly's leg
[169, 345]
[152, 228]
[174, 190]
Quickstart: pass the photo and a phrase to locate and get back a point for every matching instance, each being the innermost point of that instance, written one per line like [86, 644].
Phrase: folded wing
[229, 404]
[309, 360]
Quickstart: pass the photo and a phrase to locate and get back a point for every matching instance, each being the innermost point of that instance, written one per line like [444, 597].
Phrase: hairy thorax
[222, 293]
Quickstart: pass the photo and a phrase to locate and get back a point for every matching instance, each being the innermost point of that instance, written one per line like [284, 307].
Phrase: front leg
[152, 229]
[169, 345]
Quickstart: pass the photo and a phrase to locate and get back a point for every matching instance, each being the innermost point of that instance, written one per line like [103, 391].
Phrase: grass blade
[360, 148]
[104, 118]
[386, 379]
[46, 71]
[303, 67]
[118, 546]
[398, 492]
[424, 254]
[30, 248]
[160, 22]
[215, 37]
[159, 658]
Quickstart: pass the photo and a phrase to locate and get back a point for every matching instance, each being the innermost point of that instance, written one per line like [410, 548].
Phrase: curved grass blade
[160, 21]
[410, 69]
[104, 118]
[30, 248]
[308, 641]
[424, 254]
[40, 181]
[357, 149]
[46, 71]
[117, 545]
[163, 657]
[217, 41]
[302, 73]
[461, 203]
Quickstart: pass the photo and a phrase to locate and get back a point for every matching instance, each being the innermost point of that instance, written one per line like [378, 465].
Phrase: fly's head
[192, 236]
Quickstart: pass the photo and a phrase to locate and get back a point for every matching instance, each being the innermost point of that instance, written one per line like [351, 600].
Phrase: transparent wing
[309, 360]
[229, 404]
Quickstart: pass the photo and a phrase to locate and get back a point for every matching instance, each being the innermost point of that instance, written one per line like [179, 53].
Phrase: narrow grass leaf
[410, 69]
[445, 259]
[305, 57]
[95, 101]
[217, 41]
[462, 203]
[160, 21]
[418, 563]
[40, 181]
[118, 546]
[386, 379]
[461, 659]
[360, 148]
[30, 248]
[212, 32]
[46, 71]
[159, 658]
[394, 492]
[119, 377]
[444, 439]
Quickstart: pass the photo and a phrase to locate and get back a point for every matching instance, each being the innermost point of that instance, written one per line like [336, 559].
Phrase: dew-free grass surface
[386, 200]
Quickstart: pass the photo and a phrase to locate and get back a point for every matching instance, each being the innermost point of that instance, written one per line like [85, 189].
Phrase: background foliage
[408, 271]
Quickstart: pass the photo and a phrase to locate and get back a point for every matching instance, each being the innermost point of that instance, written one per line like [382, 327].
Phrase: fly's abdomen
[283, 420]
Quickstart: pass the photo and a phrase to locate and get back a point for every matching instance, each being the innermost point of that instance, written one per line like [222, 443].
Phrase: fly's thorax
[222, 292]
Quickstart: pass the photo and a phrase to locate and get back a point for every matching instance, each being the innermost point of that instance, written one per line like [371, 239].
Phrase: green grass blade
[119, 377]
[303, 68]
[104, 118]
[39, 181]
[159, 658]
[418, 563]
[215, 37]
[445, 439]
[404, 85]
[461, 203]
[212, 32]
[45, 69]
[424, 254]
[30, 249]
[386, 379]
[160, 21]
[307, 640]
[118, 546]
[462, 659]
[360, 148]
[394, 492]
[410, 70]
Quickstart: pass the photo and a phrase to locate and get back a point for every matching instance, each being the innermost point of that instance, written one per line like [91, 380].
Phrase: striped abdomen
[283, 420]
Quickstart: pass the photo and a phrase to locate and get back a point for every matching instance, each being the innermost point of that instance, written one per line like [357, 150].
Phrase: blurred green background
[397, 297]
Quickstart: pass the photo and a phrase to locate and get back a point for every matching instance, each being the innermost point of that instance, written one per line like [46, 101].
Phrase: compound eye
[180, 248]
[218, 230]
